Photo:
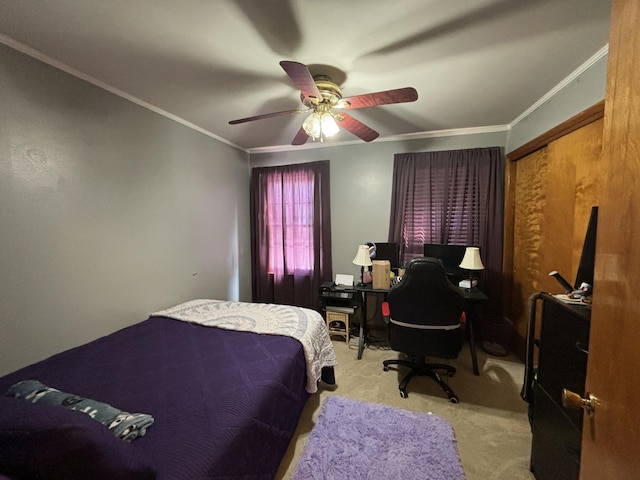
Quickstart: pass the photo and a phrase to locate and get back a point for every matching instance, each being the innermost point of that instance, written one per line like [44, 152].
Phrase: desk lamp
[363, 259]
[472, 262]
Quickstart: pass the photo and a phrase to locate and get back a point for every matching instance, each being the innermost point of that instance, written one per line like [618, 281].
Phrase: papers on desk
[467, 283]
[344, 280]
[563, 297]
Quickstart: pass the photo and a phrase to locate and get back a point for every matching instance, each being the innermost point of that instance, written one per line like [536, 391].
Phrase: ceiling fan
[320, 95]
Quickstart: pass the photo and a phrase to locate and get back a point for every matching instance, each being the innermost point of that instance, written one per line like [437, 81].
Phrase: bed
[225, 392]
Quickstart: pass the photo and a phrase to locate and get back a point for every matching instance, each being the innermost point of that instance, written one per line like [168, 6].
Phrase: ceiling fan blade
[356, 127]
[300, 138]
[301, 78]
[265, 115]
[400, 95]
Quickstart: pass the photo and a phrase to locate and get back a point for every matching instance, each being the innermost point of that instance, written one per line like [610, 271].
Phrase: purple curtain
[290, 233]
[452, 197]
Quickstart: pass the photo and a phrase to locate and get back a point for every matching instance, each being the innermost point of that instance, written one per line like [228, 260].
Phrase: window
[443, 206]
[289, 206]
[453, 197]
[290, 233]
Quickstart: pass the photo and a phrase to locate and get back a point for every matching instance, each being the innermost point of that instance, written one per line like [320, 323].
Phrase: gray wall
[580, 93]
[108, 212]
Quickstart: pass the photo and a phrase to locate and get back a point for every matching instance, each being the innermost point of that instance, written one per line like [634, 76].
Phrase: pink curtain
[291, 233]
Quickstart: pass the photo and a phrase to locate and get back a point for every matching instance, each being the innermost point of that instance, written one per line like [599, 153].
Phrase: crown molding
[391, 138]
[555, 90]
[313, 145]
[105, 86]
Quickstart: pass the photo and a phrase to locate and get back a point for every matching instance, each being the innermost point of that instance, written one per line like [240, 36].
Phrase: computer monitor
[451, 256]
[588, 256]
[388, 251]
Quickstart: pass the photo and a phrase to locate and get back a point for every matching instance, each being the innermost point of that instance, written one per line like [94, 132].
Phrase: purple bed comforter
[225, 403]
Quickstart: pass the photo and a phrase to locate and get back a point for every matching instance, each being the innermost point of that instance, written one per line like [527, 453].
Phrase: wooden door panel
[611, 437]
[555, 188]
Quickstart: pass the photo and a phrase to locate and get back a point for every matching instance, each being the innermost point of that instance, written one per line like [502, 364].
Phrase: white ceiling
[474, 63]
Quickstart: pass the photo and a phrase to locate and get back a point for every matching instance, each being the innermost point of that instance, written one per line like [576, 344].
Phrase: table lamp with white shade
[363, 259]
[472, 262]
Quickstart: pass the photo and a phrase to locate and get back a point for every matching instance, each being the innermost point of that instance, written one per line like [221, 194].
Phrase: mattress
[225, 403]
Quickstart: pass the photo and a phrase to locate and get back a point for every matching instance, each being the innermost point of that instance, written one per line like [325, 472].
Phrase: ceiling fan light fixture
[311, 125]
[320, 94]
[329, 125]
[320, 125]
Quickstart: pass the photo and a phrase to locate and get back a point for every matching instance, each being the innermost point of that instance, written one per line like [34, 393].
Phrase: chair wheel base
[427, 369]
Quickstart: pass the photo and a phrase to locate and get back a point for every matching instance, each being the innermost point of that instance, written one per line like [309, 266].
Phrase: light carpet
[490, 422]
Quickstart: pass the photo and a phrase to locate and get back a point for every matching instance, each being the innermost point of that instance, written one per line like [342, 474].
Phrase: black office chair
[423, 313]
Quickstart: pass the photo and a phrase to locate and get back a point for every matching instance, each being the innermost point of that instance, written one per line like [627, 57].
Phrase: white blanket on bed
[305, 325]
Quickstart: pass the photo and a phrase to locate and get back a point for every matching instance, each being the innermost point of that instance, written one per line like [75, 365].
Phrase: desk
[472, 303]
[473, 300]
[362, 341]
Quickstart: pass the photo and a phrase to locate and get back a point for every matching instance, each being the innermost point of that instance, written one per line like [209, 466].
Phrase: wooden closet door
[555, 188]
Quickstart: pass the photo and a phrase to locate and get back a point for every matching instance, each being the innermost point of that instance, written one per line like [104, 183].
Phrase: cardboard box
[381, 274]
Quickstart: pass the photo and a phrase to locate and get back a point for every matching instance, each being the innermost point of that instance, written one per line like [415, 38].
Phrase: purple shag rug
[356, 440]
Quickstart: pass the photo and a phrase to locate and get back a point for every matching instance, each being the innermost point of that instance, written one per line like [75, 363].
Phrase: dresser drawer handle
[581, 348]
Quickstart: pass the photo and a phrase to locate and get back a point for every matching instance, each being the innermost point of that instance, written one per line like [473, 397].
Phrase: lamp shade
[320, 124]
[362, 256]
[312, 125]
[471, 259]
[329, 125]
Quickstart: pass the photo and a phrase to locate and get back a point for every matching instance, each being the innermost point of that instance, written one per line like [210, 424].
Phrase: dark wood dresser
[562, 363]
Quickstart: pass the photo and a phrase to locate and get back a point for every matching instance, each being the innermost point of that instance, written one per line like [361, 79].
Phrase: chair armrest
[385, 312]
